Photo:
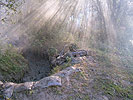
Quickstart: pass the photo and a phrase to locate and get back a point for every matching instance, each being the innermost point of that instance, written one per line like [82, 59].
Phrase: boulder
[72, 55]
[1, 83]
[48, 81]
[8, 89]
[67, 72]
[23, 86]
[79, 53]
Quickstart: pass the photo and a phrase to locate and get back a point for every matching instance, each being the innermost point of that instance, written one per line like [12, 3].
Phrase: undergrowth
[12, 66]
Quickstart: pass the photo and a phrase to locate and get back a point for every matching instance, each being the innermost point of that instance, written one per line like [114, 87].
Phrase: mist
[66, 49]
[102, 24]
[94, 22]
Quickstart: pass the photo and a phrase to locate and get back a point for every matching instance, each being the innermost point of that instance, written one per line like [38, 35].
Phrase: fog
[101, 24]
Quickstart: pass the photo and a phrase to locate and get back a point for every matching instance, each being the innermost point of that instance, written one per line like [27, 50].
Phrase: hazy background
[103, 24]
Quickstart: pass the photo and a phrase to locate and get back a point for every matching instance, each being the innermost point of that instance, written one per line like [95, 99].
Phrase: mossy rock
[73, 47]
[52, 51]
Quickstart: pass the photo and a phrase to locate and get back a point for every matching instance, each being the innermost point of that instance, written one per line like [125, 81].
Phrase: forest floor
[96, 80]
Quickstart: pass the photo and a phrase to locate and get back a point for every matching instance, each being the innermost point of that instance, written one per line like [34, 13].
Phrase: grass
[86, 97]
[61, 67]
[104, 85]
[102, 57]
[107, 87]
[12, 66]
[79, 96]
[115, 64]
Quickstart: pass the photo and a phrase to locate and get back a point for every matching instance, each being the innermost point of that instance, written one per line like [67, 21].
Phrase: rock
[48, 81]
[76, 60]
[125, 82]
[68, 71]
[72, 55]
[73, 47]
[79, 53]
[1, 90]
[8, 93]
[1, 83]
[8, 89]
[8, 85]
[100, 97]
[60, 61]
[105, 98]
[23, 86]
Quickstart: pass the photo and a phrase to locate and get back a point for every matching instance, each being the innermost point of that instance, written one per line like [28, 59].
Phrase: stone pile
[59, 60]
[7, 89]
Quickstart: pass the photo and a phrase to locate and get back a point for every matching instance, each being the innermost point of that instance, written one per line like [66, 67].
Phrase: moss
[52, 51]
